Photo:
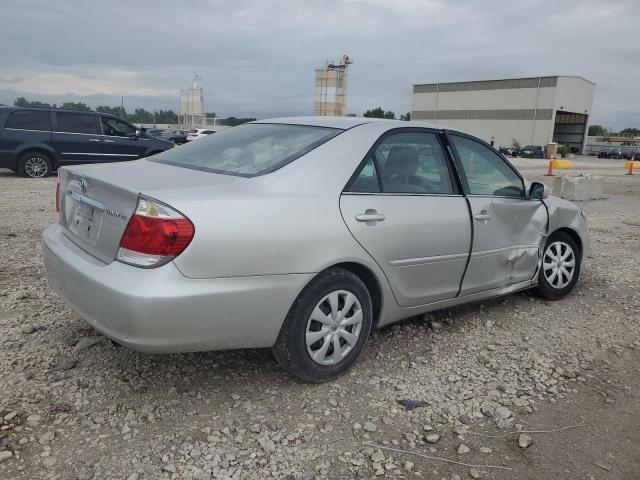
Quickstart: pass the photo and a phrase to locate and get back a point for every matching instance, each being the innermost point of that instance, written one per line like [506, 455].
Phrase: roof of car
[345, 122]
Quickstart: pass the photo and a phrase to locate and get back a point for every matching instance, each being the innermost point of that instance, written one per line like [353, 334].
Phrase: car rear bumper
[161, 311]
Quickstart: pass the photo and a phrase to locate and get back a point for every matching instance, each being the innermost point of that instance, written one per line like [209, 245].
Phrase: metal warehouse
[533, 110]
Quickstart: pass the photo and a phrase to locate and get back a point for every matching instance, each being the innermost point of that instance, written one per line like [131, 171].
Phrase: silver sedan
[301, 235]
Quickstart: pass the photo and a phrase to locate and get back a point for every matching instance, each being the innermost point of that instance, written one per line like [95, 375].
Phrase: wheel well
[574, 236]
[50, 155]
[372, 284]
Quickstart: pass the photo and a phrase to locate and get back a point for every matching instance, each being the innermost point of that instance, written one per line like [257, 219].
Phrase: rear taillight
[155, 235]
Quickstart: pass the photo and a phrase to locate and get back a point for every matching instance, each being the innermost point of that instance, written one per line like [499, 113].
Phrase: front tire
[560, 267]
[326, 327]
[34, 165]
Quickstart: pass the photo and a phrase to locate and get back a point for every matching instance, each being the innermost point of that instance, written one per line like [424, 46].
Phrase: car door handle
[370, 216]
[94, 140]
[482, 216]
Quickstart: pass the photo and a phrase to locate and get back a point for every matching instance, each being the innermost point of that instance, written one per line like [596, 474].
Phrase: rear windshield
[248, 150]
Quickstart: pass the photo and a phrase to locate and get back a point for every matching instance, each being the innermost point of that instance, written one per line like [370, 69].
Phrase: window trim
[462, 174]
[455, 185]
[92, 114]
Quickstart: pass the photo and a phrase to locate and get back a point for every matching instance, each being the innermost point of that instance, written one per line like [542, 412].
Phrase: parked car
[302, 234]
[34, 142]
[154, 132]
[532, 151]
[174, 136]
[197, 133]
[509, 151]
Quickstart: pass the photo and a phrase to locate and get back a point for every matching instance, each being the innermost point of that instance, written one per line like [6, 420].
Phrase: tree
[630, 131]
[406, 117]
[233, 121]
[23, 102]
[140, 115]
[165, 116]
[117, 111]
[379, 113]
[79, 106]
[596, 131]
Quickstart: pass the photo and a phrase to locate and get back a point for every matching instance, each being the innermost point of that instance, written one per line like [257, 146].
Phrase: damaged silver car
[301, 235]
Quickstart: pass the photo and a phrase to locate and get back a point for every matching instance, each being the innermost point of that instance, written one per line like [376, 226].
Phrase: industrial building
[192, 114]
[532, 111]
[331, 88]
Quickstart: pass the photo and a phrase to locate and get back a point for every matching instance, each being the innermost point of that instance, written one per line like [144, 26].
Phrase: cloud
[80, 80]
[257, 57]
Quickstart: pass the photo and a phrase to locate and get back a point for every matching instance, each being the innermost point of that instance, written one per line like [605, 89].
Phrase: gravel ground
[457, 384]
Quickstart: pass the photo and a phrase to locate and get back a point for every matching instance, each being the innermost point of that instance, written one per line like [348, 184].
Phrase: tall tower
[192, 114]
[331, 88]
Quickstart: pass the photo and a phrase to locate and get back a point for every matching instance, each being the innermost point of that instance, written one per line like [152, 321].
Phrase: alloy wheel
[333, 327]
[36, 167]
[559, 265]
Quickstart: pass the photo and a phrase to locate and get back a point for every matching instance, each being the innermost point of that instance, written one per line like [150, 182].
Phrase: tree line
[600, 131]
[380, 113]
[139, 115]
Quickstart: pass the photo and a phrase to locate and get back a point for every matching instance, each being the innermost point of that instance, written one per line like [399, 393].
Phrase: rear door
[508, 227]
[404, 207]
[120, 141]
[76, 138]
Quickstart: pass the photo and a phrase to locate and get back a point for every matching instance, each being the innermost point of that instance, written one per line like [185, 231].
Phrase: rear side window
[367, 179]
[406, 162]
[76, 123]
[29, 120]
[249, 149]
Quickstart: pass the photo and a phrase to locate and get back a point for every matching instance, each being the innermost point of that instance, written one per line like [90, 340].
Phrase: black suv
[36, 141]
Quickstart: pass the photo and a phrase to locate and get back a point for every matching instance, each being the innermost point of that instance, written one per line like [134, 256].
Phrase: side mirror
[538, 191]
[138, 133]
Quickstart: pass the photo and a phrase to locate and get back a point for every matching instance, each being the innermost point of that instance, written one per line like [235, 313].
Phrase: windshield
[248, 150]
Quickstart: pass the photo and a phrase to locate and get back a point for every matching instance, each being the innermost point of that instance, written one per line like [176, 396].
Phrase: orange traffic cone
[630, 171]
[550, 170]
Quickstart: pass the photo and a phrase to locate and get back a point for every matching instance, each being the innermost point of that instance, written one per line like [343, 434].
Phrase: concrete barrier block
[579, 187]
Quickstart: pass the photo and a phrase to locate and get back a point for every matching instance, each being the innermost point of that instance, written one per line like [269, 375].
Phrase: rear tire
[326, 327]
[34, 165]
[560, 267]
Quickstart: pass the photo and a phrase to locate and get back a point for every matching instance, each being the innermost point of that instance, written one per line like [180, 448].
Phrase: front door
[508, 227]
[120, 142]
[75, 137]
[404, 208]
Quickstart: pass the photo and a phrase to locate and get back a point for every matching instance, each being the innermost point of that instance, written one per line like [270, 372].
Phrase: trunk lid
[96, 201]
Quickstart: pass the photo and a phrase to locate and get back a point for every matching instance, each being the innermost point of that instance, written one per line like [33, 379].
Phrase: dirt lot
[75, 406]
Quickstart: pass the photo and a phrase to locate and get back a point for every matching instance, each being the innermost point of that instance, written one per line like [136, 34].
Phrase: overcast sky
[257, 58]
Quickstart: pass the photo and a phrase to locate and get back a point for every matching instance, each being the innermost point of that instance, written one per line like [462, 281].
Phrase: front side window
[413, 162]
[29, 120]
[249, 149]
[487, 173]
[76, 123]
[117, 128]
